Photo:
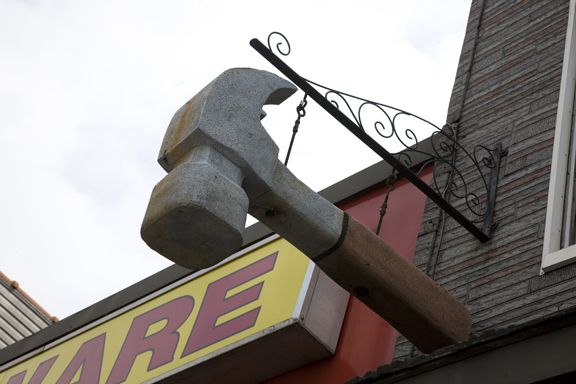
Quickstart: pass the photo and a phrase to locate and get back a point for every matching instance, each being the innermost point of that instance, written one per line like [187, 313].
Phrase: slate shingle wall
[506, 90]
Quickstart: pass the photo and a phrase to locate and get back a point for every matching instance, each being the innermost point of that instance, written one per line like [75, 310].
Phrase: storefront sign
[190, 322]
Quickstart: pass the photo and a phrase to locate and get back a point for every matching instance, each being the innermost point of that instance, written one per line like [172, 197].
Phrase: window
[559, 236]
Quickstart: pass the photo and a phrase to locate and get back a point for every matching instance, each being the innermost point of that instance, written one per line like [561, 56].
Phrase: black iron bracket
[478, 206]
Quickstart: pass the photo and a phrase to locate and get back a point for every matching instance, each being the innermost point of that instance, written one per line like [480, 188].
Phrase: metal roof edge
[27, 300]
[478, 344]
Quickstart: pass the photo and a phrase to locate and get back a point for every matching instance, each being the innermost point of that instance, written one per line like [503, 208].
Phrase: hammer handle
[376, 274]
[362, 263]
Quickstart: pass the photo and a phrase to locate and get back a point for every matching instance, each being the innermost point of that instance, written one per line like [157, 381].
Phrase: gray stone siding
[506, 90]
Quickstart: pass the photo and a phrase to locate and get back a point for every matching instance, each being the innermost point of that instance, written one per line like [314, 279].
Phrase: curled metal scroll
[454, 165]
[278, 45]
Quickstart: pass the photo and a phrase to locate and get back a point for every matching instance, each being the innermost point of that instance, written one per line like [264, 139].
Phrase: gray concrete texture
[219, 157]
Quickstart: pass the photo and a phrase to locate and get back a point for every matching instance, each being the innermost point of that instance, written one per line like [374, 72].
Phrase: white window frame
[555, 253]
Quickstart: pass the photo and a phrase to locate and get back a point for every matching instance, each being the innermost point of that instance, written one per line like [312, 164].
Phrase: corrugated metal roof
[20, 315]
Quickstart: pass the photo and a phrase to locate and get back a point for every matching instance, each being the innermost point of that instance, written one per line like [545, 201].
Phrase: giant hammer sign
[222, 164]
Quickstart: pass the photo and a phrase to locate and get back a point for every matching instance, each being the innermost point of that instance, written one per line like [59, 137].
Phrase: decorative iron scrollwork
[453, 164]
[278, 45]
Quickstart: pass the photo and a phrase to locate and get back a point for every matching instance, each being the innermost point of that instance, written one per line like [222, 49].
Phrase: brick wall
[506, 90]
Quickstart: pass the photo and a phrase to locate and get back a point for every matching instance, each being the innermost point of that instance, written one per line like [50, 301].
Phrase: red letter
[42, 370]
[18, 378]
[162, 343]
[215, 304]
[38, 376]
[89, 358]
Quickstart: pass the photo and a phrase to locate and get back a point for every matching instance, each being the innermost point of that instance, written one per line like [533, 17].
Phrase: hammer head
[218, 156]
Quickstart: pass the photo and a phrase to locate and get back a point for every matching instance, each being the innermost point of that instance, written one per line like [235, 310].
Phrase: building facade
[515, 85]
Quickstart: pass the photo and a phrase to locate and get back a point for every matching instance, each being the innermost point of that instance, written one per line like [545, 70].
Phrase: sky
[87, 89]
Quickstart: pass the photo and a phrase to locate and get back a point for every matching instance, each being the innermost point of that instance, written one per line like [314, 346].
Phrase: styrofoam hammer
[222, 164]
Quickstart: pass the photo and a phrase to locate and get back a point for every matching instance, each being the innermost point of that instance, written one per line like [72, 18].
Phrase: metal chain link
[301, 113]
[390, 185]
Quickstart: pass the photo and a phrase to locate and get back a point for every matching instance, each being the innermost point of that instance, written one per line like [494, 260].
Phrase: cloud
[88, 89]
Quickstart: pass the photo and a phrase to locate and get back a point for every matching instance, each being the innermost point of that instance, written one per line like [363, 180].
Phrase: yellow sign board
[191, 321]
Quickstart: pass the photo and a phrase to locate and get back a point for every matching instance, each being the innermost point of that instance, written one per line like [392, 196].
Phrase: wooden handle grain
[376, 274]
